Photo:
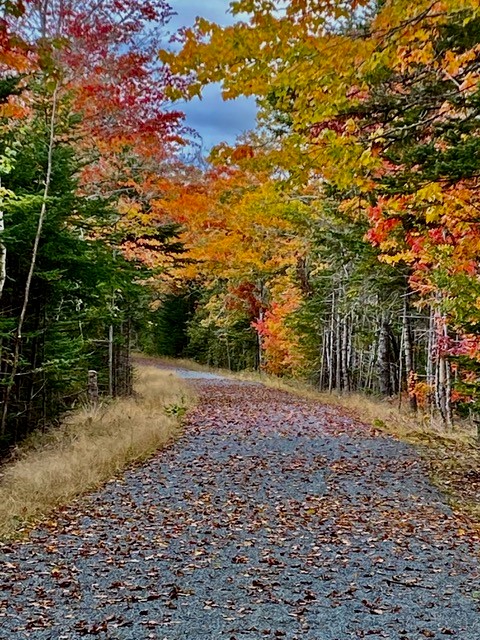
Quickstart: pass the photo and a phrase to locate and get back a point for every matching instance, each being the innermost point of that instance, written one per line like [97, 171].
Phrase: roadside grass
[91, 446]
[453, 456]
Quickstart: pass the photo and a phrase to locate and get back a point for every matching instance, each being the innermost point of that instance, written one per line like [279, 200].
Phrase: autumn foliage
[339, 240]
[369, 111]
[85, 131]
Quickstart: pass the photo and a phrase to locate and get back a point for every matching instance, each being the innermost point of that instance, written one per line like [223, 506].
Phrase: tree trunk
[260, 343]
[345, 354]
[111, 385]
[408, 353]
[338, 353]
[321, 378]
[383, 358]
[331, 346]
[3, 249]
[443, 390]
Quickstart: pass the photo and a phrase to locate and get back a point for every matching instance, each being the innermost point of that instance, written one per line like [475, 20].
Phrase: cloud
[217, 120]
[213, 118]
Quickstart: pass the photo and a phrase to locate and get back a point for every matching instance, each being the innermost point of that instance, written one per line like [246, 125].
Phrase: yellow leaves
[131, 210]
[433, 214]
[422, 35]
[351, 126]
[204, 26]
[451, 63]
[433, 192]
[430, 200]
[454, 64]
[344, 161]
[393, 259]
[355, 208]
[413, 55]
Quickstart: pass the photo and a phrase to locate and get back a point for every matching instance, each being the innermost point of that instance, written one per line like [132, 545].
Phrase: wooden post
[92, 390]
[110, 361]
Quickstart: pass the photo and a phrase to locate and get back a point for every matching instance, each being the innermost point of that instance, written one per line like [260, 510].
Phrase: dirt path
[271, 518]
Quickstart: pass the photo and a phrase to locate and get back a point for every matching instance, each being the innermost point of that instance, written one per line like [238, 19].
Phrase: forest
[337, 243]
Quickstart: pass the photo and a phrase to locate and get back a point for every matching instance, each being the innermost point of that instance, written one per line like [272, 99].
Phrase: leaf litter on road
[272, 517]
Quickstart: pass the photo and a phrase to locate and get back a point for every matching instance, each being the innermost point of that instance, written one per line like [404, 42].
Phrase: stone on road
[272, 517]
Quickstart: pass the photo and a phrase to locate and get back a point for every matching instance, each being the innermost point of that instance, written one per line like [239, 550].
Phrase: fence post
[111, 384]
[92, 390]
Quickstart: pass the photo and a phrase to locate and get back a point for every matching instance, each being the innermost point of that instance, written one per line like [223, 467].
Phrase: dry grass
[92, 446]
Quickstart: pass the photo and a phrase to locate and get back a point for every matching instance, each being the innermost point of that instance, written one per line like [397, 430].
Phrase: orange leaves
[233, 226]
[242, 152]
[13, 109]
[382, 229]
[243, 243]
[419, 390]
[280, 341]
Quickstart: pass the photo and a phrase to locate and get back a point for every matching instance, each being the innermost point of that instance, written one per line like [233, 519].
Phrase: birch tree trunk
[383, 358]
[344, 350]
[338, 352]
[111, 385]
[408, 352]
[321, 378]
[331, 346]
[431, 377]
[445, 390]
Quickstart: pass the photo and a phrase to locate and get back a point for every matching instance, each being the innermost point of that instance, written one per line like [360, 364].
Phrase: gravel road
[272, 517]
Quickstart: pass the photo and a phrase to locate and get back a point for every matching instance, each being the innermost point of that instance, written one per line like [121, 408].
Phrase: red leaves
[108, 52]
[245, 297]
[382, 227]
[279, 341]
[262, 522]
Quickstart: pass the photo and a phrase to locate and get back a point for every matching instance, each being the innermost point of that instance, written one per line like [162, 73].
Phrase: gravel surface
[272, 517]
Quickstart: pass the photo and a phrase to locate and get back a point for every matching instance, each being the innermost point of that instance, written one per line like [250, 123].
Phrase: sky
[215, 120]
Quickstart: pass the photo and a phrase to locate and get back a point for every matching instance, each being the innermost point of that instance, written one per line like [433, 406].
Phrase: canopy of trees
[87, 137]
[346, 230]
[338, 242]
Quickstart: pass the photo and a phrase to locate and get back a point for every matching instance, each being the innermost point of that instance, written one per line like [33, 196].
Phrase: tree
[379, 104]
[63, 234]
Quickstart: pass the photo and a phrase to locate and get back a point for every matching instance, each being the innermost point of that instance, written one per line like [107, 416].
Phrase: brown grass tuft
[92, 446]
